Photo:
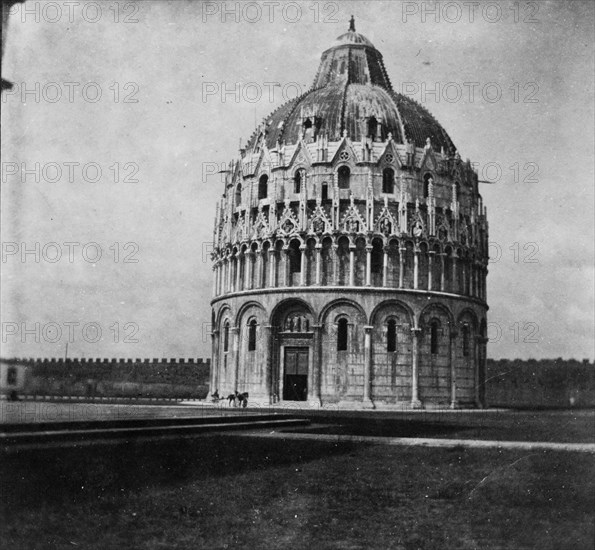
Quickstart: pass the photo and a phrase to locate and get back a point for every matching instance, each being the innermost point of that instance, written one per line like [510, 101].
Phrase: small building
[13, 374]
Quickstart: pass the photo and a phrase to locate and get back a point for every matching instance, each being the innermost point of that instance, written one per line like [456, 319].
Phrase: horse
[241, 398]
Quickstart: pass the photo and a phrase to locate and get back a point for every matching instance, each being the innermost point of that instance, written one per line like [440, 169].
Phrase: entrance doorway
[295, 378]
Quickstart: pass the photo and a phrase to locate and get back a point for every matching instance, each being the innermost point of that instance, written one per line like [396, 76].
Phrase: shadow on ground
[35, 478]
[382, 427]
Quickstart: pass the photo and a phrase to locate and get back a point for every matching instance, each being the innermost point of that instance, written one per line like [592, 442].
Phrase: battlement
[73, 361]
[116, 377]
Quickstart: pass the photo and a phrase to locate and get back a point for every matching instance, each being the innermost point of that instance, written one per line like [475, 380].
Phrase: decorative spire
[352, 24]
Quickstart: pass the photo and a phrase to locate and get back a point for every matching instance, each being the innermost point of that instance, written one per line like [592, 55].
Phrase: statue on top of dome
[352, 24]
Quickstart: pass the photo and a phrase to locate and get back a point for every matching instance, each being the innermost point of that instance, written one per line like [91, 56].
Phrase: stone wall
[545, 383]
[168, 378]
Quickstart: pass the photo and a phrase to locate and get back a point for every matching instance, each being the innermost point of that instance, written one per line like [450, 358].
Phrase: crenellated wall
[103, 377]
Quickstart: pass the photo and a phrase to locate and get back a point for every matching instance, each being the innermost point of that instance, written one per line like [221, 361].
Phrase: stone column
[239, 271]
[268, 361]
[286, 273]
[318, 263]
[385, 268]
[415, 402]
[335, 253]
[232, 273]
[455, 281]
[482, 368]
[367, 401]
[476, 367]
[214, 384]
[235, 331]
[415, 267]
[226, 275]
[453, 370]
[316, 377]
[351, 266]
[401, 265]
[431, 254]
[442, 255]
[272, 267]
[258, 279]
[303, 265]
[368, 265]
[249, 270]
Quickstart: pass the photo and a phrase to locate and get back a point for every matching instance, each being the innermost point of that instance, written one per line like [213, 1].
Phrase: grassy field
[239, 492]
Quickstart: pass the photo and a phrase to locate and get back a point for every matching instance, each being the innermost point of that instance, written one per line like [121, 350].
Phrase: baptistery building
[351, 251]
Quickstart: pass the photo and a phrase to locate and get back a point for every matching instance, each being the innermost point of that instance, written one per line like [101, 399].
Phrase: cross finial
[352, 24]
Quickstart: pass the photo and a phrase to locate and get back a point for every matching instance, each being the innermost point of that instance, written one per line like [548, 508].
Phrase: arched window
[324, 190]
[344, 176]
[466, 340]
[457, 190]
[295, 257]
[434, 333]
[252, 335]
[342, 335]
[377, 259]
[238, 194]
[372, 127]
[391, 335]
[226, 336]
[297, 181]
[427, 182]
[263, 187]
[11, 376]
[388, 180]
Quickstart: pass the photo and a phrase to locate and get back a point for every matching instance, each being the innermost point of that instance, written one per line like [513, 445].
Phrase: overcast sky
[163, 120]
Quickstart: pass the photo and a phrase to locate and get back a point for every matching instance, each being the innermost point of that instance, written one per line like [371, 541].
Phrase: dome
[351, 88]
[352, 37]
[350, 260]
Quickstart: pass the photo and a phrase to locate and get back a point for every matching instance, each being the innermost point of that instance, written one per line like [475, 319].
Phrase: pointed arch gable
[347, 146]
[300, 157]
[429, 162]
[390, 149]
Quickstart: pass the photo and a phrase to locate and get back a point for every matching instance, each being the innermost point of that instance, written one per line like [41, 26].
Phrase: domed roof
[352, 37]
[351, 88]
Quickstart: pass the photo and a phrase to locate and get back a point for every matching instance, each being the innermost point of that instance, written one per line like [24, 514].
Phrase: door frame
[282, 367]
